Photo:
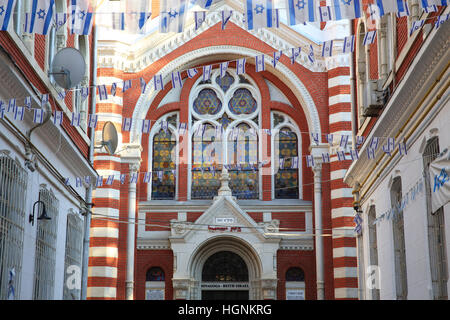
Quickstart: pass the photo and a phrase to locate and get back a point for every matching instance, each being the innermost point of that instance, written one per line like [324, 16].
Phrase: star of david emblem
[41, 14]
[1, 10]
[81, 15]
[173, 14]
[300, 4]
[200, 20]
[259, 8]
[346, 2]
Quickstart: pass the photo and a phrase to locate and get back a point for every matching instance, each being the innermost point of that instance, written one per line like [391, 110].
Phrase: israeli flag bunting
[172, 15]
[267, 131]
[102, 92]
[176, 80]
[164, 126]
[349, 44]
[416, 26]
[309, 161]
[76, 118]
[61, 95]
[67, 181]
[374, 143]
[87, 180]
[340, 155]
[38, 116]
[354, 154]
[429, 9]
[41, 18]
[369, 37]
[403, 9]
[143, 84]
[19, 113]
[136, 15]
[27, 103]
[78, 182]
[327, 48]
[60, 20]
[84, 92]
[199, 17]
[223, 69]
[300, 11]
[82, 17]
[330, 139]
[191, 73]
[402, 148]
[126, 85]
[123, 176]
[259, 63]
[315, 137]
[158, 82]
[147, 177]
[370, 153]
[240, 68]
[295, 54]
[182, 128]
[281, 163]
[92, 121]
[386, 6]
[429, 3]
[359, 140]
[311, 54]
[200, 130]
[226, 15]
[118, 20]
[276, 57]
[261, 14]
[386, 150]
[391, 143]
[58, 118]
[44, 99]
[2, 110]
[110, 180]
[207, 72]
[344, 141]
[6, 12]
[114, 89]
[12, 105]
[126, 125]
[325, 14]
[441, 19]
[145, 126]
[99, 182]
[294, 163]
[347, 9]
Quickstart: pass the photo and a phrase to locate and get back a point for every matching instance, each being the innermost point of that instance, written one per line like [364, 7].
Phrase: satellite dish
[109, 137]
[68, 68]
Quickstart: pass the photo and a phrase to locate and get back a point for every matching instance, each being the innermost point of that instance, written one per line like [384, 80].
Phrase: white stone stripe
[110, 80]
[107, 158]
[105, 212]
[103, 232]
[101, 292]
[337, 174]
[107, 193]
[113, 117]
[340, 117]
[339, 81]
[107, 272]
[345, 272]
[111, 99]
[341, 193]
[340, 293]
[340, 98]
[342, 212]
[344, 252]
[109, 252]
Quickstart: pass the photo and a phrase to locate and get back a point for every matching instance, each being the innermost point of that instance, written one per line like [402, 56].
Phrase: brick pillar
[343, 240]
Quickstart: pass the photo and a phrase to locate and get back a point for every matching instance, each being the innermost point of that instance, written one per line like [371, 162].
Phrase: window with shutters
[13, 187]
[73, 256]
[436, 228]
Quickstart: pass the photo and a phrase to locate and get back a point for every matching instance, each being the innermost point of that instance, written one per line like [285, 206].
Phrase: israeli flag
[118, 20]
[145, 126]
[429, 3]
[78, 182]
[60, 20]
[6, 11]
[67, 181]
[126, 125]
[164, 125]
[123, 176]
[327, 48]
[87, 180]
[429, 9]
[61, 95]
[12, 105]
[126, 85]
[311, 54]
[200, 130]
[223, 69]
[369, 37]
[114, 89]
[218, 132]
[386, 6]
[391, 143]
[268, 132]
[207, 72]
[315, 137]
[349, 44]
[58, 118]
[354, 154]
[182, 128]
[176, 80]
[416, 26]
[84, 92]
[27, 103]
[402, 148]
[99, 182]
[110, 180]
[325, 14]
[19, 113]
[347, 9]
[403, 9]
[344, 141]
[340, 155]
[309, 161]
[92, 120]
[259, 63]
[261, 14]
[172, 15]
[374, 143]
[325, 157]
[300, 11]
[147, 177]
[41, 17]
[205, 4]
[76, 118]
[386, 150]
[441, 19]
[330, 139]
[276, 57]
[38, 116]
[137, 14]
[191, 73]
[294, 163]
[102, 92]
[44, 99]
[143, 84]
[359, 140]
[281, 163]
[158, 82]
[82, 17]
[370, 153]
[240, 68]
[2, 110]
[199, 17]
[295, 53]
[226, 15]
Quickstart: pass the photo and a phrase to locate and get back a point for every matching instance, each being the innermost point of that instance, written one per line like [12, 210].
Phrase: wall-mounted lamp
[43, 215]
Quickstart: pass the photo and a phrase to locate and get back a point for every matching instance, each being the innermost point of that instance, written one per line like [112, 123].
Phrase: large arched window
[362, 74]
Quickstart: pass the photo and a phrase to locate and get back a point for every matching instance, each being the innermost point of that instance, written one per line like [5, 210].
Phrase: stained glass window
[207, 103]
[243, 157]
[225, 266]
[163, 180]
[225, 82]
[286, 179]
[155, 274]
[295, 274]
[206, 163]
[242, 102]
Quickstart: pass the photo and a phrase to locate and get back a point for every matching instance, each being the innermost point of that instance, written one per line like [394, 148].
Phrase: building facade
[403, 246]
[208, 222]
[41, 259]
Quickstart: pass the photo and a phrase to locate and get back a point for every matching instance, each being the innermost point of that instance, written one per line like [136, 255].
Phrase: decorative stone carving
[181, 289]
[269, 289]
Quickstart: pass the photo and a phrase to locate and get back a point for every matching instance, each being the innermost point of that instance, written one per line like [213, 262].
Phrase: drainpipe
[87, 218]
[352, 93]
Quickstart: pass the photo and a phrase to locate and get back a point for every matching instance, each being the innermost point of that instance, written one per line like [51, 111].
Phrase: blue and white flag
[327, 48]
[114, 89]
[102, 92]
[359, 140]
[82, 17]
[349, 44]
[19, 113]
[62, 95]
[403, 8]
[370, 153]
[76, 118]
[295, 54]
[160, 174]
[374, 143]
[182, 128]
[344, 141]
[147, 177]
[87, 180]
[126, 85]
[164, 126]
[390, 144]
[330, 139]
[176, 80]
[369, 37]
[309, 161]
[325, 14]
[268, 132]
[78, 182]
[92, 120]
[386, 6]
[347, 9]
[143, 84]
[60, 20]
[207, 72]
[315, 137]
[261, 14]
[300, 11]
[200, 130]
[12, 105]
[226, 15]
[429, 3]
[118, 20]
[402, 148]
[41, 17]
[126, 125]
[416, 26]
[44, 99]
[340, 155]
[2, 110]
[27, 103]
[172, 15]
[259, 63]
[199, 17]
[38, 116]
[326, 157]
[58, 118]
[205, 4]
[84, 92]
[276, 57]
[441, 19]
[158, 82]
[137, 13]
[281, 163]
[354, 154]
[191, 73]
[429, 9]
[99, 182]
[386, 150]
[110, 180]
[294, 163]
[240, 66]
[6, 12]
[311, 54]
[145, 126]
[123, 176]
[223, 68]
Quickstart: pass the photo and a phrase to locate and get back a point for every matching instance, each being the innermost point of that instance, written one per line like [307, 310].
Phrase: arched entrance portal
[225, 277]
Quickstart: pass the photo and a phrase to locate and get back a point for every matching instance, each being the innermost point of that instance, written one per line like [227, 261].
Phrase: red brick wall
[290, 221]
[162, 219]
